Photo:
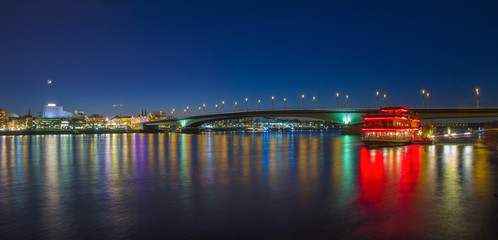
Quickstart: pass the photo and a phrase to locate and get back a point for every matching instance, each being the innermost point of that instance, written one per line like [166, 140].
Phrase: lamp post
[216, 108]
[313, 102]
[199, 110]
[259, 105]
[423, 98]
[347, 101]
[385, 95]
[235, 106]
[477, 95]
[285, 101]
[204, 108]
[427, 100]
[302, 101]
[222, 106]
[377, 98]
[187, 110]
[337, 95]
[246, 104]
[272, 100]
[172, 112]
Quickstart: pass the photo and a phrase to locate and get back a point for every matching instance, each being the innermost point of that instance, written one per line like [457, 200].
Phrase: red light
[384, 118]
[389, 129]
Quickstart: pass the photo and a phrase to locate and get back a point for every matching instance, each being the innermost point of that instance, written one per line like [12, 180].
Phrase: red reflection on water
[372, 183]
[387, 193]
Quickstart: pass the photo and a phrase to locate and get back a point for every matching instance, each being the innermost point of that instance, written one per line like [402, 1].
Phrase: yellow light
[385, 95]
[272, 97]
[347, 96]
[246, 99]
[259, 101]
[187, 107]
[302, 96]
[222, 102]
[313, 98]
[377, 93]
[427, 94]
[477, 91]
[203, 105]
[337, 94]
[423, 91]
[285, 99]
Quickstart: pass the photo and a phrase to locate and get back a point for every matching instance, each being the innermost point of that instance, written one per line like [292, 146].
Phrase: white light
[51, 105]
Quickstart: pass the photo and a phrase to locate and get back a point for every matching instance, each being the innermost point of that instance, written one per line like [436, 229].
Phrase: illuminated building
[51, 110]
[389, 127]
[4, 118]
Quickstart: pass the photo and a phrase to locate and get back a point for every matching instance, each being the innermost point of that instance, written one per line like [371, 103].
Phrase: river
[301, 185]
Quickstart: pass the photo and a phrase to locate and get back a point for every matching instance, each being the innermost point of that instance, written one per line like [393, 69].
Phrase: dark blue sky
[170, 54]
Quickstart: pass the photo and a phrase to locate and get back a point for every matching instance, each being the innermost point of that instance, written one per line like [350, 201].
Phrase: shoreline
[59, 132]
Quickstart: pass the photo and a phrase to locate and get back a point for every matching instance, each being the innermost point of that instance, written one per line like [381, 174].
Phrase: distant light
[51, 105]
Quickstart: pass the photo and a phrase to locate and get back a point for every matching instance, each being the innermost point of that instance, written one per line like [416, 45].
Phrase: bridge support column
[353, 129]
[194, 130]
[148, 128]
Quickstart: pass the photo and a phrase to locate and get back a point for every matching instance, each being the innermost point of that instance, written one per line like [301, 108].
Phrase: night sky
[170, 54]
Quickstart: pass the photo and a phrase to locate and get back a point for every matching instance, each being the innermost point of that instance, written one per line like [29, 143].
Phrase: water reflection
[288, 185]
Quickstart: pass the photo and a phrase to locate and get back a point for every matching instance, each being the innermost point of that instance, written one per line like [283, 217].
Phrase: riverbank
[57, 132]
[490, 139]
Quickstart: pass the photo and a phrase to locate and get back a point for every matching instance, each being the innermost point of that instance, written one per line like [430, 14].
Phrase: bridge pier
[353, 129]
[144, 128]
[193, 130]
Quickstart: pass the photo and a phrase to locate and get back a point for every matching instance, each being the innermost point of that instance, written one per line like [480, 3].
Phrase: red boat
[393, 126]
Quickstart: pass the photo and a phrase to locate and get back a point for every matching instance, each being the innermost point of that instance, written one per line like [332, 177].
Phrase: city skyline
[165, 55]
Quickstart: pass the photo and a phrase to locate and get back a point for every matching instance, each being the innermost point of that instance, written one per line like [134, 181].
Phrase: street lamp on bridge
[199, 110]
[172, 112]
[259, 105]
[235, 106]
[337, 95]
[204, 108]
[385, 95]
[246, 104]
[222, 106]
[272, 102]
[427, 105]
[377, 98]
[216, 108]
[302, 101]
[285, 101]
[187, 110]
[347, 101]
[477, 94]
[423, 98]
[313, 102]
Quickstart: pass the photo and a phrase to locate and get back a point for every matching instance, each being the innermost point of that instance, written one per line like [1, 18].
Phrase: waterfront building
[51, 110]
[4, 119]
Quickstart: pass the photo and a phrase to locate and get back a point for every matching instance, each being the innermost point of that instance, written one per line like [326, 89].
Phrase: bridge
[343, 116]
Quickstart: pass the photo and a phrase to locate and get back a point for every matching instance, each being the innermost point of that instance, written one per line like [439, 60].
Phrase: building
[4, 119]
[53, 111]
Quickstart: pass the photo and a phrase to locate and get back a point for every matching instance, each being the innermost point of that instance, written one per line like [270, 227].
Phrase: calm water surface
[244, 186]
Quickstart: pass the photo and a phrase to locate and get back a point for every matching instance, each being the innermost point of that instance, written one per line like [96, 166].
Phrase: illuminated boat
[393, 126]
